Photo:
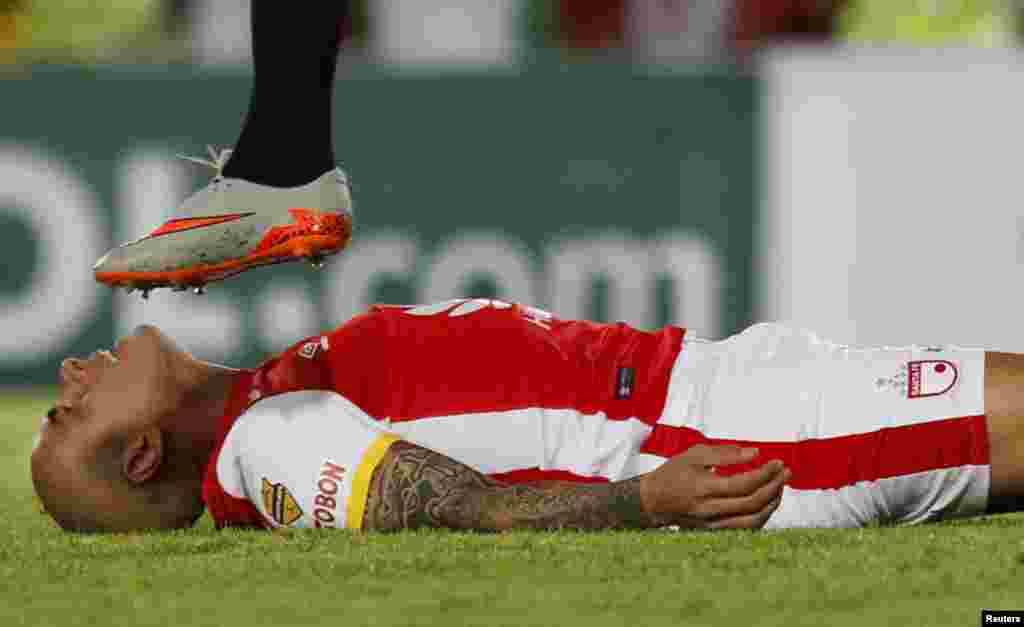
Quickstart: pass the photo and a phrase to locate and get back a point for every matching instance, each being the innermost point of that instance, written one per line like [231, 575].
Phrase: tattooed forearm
[415, 487]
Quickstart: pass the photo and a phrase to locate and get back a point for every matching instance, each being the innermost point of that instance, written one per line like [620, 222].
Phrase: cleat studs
[316, 262]
[145, 293]
[199, 290]
[129, 290]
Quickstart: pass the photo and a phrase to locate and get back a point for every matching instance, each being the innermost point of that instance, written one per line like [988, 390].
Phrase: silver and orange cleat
[230, 226]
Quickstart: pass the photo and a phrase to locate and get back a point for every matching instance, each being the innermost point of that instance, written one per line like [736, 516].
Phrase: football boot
[230, 226]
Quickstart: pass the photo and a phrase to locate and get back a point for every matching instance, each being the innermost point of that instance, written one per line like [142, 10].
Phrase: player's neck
[205, 390]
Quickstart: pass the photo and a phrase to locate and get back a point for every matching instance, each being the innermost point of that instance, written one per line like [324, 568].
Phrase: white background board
[891, 189]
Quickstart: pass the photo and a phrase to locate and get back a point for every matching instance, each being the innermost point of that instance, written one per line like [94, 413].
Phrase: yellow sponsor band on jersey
[361, 482]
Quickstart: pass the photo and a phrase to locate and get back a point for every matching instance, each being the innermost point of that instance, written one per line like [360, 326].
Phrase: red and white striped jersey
[507, 389]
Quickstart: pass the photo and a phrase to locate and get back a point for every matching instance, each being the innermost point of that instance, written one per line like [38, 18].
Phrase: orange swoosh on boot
[186, 224]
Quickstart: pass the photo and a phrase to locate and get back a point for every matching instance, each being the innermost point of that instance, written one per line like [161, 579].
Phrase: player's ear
[143, 455]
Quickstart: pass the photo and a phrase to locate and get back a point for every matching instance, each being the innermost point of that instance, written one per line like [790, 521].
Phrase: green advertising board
[596, 191]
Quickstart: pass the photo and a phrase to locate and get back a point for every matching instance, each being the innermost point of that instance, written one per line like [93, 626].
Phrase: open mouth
[108, 354]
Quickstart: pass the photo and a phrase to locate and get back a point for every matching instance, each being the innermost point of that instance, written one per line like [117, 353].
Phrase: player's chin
[150, 336]
[147, 331]
[145, 349]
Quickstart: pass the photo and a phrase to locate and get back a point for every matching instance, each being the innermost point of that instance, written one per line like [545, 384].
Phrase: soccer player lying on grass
[478, 414]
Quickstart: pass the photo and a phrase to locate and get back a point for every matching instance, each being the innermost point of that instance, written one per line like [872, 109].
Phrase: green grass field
[932, 575]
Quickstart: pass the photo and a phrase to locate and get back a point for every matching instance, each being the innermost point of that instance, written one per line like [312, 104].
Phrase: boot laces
[218, 159]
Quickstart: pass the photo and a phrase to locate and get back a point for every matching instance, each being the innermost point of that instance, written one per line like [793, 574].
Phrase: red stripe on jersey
[846, 460]
[531, 475]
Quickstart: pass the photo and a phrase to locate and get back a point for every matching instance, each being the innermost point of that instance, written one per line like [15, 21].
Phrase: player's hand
[685, 490]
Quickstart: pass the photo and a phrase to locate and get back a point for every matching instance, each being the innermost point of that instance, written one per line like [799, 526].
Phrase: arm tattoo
[416, 487]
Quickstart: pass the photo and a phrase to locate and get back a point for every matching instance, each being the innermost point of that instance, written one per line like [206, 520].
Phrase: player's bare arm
[416, 487]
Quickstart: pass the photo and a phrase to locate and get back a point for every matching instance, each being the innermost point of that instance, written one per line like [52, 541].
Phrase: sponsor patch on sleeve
[279, 503]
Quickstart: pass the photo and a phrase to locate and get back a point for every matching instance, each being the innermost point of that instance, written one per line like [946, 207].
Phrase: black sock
[287, 137]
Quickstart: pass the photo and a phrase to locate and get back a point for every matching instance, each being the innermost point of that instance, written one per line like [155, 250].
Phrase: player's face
[119, 391]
